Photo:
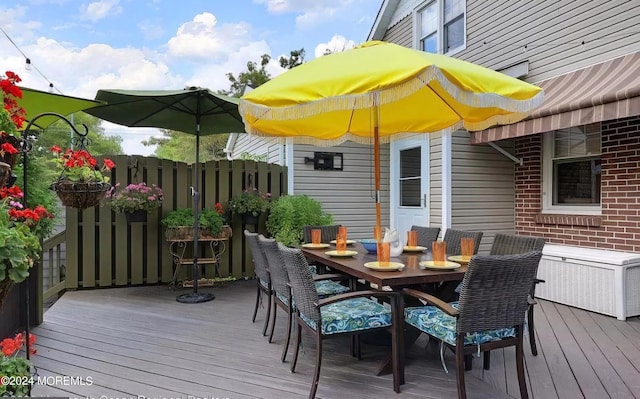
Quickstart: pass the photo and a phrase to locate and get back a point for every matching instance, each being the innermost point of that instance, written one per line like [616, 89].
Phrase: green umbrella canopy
[193, 110]
[36, 102]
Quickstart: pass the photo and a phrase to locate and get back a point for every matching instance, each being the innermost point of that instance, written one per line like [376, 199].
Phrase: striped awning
[601, 92]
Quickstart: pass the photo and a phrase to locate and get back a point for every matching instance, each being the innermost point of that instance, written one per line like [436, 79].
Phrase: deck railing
[53, 265]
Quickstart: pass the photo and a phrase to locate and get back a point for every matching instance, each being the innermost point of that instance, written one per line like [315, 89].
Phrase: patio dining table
[411, 275]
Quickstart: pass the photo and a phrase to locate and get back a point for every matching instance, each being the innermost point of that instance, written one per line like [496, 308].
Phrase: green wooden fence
[104, 251]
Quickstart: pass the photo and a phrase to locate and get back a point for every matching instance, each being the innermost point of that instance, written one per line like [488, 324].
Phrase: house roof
[601, 92]
[383, 19]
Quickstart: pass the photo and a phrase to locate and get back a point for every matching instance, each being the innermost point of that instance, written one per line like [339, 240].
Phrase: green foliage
[254, 76]
[296, 57]
[15, 366]
[19, 248]
[39, 177]
[209, 219]
[6, 124]
[290, 212]
[247, 156]
[250, 202]
[181, 147]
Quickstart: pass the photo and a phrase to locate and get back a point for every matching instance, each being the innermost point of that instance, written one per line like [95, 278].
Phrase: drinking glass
[439, 249]
[412, 238]
[341, 242]
[384, 253]
[467, 247]
[342, 230]
[316, 236]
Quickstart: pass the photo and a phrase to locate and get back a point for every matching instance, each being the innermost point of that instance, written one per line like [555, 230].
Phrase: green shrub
[209, 219]
[289, 213]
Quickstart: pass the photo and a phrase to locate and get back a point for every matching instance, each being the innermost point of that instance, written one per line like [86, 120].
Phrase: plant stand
[178, 247]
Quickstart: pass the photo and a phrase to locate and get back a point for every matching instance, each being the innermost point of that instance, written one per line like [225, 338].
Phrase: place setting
[412, 243]
[439, 262]
[316, 241]
[341, 243]
[384, 262]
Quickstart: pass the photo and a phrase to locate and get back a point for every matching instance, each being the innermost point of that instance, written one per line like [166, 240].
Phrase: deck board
[140, 341]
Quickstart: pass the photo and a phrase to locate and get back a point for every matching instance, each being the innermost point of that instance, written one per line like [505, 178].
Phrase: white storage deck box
[598, 280]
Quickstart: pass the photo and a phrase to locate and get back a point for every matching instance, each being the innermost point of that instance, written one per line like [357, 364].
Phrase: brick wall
[619, 226]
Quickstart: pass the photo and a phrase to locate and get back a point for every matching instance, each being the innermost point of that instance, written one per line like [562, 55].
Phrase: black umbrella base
[195, 297]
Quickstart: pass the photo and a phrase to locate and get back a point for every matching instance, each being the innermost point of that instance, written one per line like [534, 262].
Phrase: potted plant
[81, 183]
[249, 205]
[16, 367]
[179, 224]
[136, 200]
[289, 213]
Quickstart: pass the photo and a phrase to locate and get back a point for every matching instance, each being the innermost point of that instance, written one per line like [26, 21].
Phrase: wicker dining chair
[426, 235]
[282, 290]
[263, 280]
[506, 244]
[485, 318]
[328, 232]
[350, 313]
[452, 238]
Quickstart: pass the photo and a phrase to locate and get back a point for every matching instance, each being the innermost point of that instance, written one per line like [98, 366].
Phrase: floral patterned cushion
[313, 269]
[264, 284]
[352, 315]
[327, 288]
[440, 325]
[283, 298]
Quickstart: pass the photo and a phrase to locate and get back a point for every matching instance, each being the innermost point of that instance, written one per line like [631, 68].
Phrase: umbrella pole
[195, 296]
[376, 163]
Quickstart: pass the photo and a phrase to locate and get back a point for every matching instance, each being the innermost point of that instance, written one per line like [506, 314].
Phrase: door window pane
[410, 177]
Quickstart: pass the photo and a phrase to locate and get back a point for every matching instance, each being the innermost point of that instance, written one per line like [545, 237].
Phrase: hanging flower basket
[9, 148]
[137, 216]
[5, 174]
[80, 195]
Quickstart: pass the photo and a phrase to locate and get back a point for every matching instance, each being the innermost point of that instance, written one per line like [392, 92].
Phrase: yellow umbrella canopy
[381, 91]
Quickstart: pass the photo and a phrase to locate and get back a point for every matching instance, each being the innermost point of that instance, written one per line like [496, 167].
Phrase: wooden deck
[140, 342]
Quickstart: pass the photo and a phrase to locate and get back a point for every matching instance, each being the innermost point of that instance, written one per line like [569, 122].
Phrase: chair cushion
[313, 269]
[327, 288]
[351, 315]
[264, 284]
[440, 325]
[283, 298]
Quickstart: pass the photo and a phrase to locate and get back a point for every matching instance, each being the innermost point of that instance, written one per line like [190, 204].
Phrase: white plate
[458, 259]
[349, 242]
[417, 248]
[315, 246]
[345, 253]
[388, 267]
[446, 265]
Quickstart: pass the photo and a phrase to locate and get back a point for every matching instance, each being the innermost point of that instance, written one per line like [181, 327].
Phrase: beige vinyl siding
[271, 148]
[347, 194]
[401, 33]
[553, 32]
[482, 189]
[435, 180]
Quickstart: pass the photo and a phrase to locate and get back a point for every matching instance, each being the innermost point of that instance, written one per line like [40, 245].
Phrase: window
[441, 26]
[572, 170]
[410, 179]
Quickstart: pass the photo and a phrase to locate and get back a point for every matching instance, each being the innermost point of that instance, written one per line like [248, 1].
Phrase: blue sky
[83, 46]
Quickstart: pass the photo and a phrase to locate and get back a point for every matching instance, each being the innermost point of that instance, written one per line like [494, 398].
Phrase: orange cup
[384, 253]
[377, 233]
[316, 236]
[341, 242]
[467, 247]
[342, 230]
[439, 248]
[412, 238]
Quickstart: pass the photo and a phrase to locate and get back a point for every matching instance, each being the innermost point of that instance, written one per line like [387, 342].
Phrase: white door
[409, 184]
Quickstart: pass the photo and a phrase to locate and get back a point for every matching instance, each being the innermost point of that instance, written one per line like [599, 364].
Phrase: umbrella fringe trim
[387, 96]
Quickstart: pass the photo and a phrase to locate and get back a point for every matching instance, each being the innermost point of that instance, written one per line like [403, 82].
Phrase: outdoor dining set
[465, 302]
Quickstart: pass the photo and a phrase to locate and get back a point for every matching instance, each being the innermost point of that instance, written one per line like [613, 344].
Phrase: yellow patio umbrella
[381, 91]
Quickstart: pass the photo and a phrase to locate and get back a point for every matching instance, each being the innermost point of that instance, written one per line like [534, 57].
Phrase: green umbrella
[36, 102]
[193, 110]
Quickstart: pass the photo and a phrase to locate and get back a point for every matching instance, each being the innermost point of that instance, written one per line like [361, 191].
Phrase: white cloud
[336, 44]
[202, 38]
[100, 9]
[312, 12]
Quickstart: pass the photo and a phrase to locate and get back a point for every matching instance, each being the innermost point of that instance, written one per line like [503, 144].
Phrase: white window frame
[417, 27]
[547, 184]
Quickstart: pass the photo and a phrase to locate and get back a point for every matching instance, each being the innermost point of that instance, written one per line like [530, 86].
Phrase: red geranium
[11, 93]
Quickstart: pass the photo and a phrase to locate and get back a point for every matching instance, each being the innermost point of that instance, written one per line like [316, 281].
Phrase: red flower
[56, 149]
[109, 164]
[8, 148]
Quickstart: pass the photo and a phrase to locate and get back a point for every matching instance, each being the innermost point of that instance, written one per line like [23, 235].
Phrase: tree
[296, 57]
[179, 146]
[253, 77]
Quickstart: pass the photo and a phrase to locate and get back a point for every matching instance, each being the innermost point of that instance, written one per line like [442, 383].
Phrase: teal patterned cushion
[352, 315]
[440, 325]
[327, 288]
[283, 298]
[264, 284]
[313, 269]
